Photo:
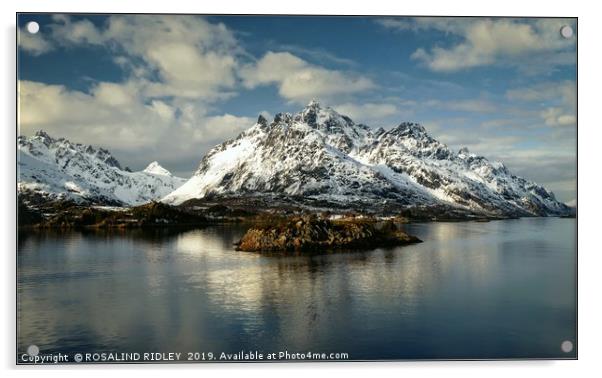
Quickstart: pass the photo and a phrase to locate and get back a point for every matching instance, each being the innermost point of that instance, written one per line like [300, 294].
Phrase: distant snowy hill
[318, 154]
[58, 169]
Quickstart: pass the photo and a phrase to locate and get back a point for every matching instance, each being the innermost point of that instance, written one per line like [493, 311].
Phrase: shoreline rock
[73, 216]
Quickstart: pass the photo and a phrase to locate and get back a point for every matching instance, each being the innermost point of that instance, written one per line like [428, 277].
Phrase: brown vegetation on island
[314, 233]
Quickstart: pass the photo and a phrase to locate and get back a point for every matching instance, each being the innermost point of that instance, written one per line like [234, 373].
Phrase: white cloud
[68, 32]
[193, 58]
[317, 55]
[100, 116]
[35, 44]
[116, 95]
[558, 100]
[299, 81]
[182, 56]
[393, 110]
[564, 90]
[163, 110]
[555, 116]
[214, 127]
[520, 43]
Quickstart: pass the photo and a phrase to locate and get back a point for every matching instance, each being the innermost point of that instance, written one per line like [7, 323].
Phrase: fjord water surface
[501, 289]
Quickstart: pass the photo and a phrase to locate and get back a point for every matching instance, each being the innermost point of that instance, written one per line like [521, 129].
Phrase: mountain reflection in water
[471, 290]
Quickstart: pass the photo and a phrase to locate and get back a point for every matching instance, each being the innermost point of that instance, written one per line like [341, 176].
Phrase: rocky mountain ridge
[320, 155]
[57, 169]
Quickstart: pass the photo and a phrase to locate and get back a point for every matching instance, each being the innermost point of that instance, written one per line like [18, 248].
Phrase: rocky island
[314, 233]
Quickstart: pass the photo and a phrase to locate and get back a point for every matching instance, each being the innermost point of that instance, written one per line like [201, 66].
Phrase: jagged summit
[314, 113]
[262, 121]
[156, 169]
[56, 168]
[318, 154]
[313, 103]
[42, 134]
[409, 128]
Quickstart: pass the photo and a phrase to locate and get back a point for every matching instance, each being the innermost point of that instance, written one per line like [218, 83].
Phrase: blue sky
[168, 88]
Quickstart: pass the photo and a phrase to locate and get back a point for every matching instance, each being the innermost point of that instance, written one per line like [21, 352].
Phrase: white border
[590, 192]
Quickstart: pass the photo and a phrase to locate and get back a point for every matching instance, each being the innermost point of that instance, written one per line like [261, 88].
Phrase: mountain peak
[156, 169]
[309, 114]
[42, 133]
[282, 118]
[59, 169]
[313, 104]
[320, 155]
[324, 118]
[62, 144]
[410, 127]
[261, 120]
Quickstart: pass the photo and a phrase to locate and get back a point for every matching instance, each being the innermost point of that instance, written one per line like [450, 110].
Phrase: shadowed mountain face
[321, 155]
[57, 169]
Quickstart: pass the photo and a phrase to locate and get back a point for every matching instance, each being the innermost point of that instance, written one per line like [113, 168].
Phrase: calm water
[471, 290]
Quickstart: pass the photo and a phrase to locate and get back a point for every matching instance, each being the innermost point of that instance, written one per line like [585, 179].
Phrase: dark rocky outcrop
[312, 233]
[74, 216]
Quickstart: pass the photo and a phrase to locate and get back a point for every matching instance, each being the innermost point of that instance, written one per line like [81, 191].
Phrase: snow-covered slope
[59, 169]
[319, 154]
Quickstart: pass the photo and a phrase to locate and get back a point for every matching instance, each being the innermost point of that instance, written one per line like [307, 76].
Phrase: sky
[169, 88]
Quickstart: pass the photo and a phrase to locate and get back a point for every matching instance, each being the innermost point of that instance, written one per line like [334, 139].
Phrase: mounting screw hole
[566, 346]
[566, 31]
[33, 350]
[33, 27]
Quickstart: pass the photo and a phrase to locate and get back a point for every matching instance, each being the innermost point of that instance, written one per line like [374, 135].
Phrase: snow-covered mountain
[59, 169]
[318, 154]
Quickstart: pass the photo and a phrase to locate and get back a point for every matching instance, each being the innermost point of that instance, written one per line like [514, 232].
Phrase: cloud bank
[482, 42]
